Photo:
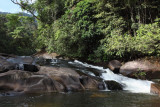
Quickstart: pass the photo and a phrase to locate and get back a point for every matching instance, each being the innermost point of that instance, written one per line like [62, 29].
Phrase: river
[81, 99]
[136, 93]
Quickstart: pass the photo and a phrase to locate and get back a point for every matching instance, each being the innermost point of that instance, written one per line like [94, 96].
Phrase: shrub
[145, 43]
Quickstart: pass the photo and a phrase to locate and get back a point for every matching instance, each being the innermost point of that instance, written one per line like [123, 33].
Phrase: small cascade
[54, 61]
[20, 66]
[129, 84]
[132, 85]
[21, 60]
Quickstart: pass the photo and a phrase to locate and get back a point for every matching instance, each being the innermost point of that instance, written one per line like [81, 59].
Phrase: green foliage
[140, 75]
[17, 35]
[4, 38]
[146, 43]
[96, 30]
[76, 34]
[48, 10]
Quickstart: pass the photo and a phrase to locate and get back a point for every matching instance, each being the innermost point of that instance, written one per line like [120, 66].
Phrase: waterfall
[132, 85]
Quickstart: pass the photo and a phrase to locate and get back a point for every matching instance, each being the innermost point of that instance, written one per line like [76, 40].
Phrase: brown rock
[70, 79]
[46, 55]
[89, 83]
[140, 69]
[155, 88]
[23, 81]
[66, 76]
[114, 65]
[57, 71]
[48, 79]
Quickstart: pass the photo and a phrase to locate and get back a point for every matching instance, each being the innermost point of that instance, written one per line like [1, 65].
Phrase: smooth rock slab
[65, 76]
[28, 82]
[69, 78]
[140, 69]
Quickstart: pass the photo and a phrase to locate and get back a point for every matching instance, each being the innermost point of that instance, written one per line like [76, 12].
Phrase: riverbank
[33, 74]
[147, 68]
[141, 68]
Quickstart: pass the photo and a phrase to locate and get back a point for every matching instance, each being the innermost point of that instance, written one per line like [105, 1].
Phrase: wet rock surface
[56, 76]
[36, 79]
[113, 85]
[31, 68]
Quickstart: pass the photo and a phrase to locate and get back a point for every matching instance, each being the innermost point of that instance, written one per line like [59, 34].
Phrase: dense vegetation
[96, 30]
[16, 33]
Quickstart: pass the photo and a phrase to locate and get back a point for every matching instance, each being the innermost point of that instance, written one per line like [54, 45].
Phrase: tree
[87, 28]
[21, 29]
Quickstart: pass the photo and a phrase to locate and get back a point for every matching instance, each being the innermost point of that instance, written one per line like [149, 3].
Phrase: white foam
[132, 85]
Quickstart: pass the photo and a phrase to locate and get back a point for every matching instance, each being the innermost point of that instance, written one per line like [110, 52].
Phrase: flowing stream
[136, 93]
[132, 85]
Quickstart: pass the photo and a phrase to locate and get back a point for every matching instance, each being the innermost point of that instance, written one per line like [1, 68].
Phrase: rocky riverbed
[26, 74]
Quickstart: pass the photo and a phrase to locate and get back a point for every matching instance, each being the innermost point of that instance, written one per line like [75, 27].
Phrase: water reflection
[81, 99]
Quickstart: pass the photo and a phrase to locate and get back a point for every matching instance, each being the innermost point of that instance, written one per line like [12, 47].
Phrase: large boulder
[6, 66]
[113, 85]
[114, 65]
[47, 79]
[141, 69]
[66, 76]
[28, 82]
[155, 88]
[69, 78]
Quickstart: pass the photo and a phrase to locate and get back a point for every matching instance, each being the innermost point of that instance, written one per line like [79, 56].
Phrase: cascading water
[81, 99]
[132, 85]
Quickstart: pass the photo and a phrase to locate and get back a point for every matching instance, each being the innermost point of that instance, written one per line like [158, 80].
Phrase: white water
[132, 85]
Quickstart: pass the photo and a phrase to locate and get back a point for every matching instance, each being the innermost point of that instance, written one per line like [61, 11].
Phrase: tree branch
[28, 10]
